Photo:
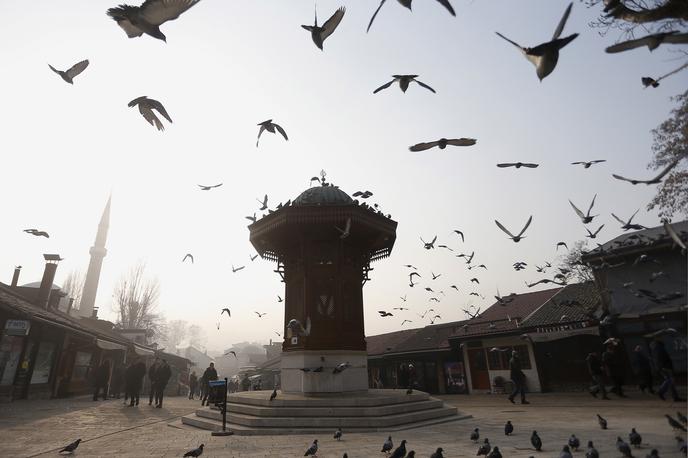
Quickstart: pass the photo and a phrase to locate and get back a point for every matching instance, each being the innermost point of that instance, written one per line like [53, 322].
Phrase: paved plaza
[40, 428]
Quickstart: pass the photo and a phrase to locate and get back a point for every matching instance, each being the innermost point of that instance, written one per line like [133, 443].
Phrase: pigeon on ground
[508, 428]
[270, 127]
[536, 441]
[495, 453]
[591, 452]
[147, 18]
[587, 164]
[515, 238]
[623, 447]
[657, 179]
[146, 107]
[653, 454]
[188, 256]
[681, 445]
[546, 55]
[274, 394]
[71, 447]
[651, 41]
[442, 144]
[70, 74]
[674, 424]
[682, 418]
[475, 435]
[404, 81]
[602, 422]
[400, 451]
[574, 442]
[634, 438]
[407, 4]
[565, 452]
[437, 454]
[338, 434]
[313, 449]
[195, 452]
[387, 445]
[484, 448]
[585, 217]
[319, 34]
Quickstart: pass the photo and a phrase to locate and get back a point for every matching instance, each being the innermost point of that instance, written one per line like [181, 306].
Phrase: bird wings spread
[526, 226]
[462, 142]
[578, 212]
[149, 116]
[281, 131]
[562, 22]
[154, 104]
[157, 12]
[425, 86]
[374, 15]
[384, 86]
[592, 203]
[423, 146]
[331, 24]
[77, 68]
[512, 42]
[499, 225]
[619, 177]
[447, 5]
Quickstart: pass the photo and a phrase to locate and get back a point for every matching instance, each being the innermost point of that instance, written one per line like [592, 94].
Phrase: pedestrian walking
[210, 374]
[102, 375]
[163, 374]
[518, 378]
[643, 369]
[134, 377]
[613, 366]
[665, 368]
[596, 374]
[193, 383]
[152, 378]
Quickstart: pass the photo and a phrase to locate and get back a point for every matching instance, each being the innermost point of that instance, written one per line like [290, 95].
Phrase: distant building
[199, 359]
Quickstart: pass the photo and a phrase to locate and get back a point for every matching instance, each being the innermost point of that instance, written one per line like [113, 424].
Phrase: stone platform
[252, 412]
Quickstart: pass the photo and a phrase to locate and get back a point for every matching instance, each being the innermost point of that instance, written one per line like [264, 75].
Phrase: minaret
[98, 252]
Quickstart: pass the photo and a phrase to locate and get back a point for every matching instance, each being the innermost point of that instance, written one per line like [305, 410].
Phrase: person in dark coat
[665, 368]
[163, 375]
[643, 369]
[613, 367]
[134, 377]
[210, 374]
[193, 384]
[518, 377]
[152, 378]
[102, 375]
[596, 374]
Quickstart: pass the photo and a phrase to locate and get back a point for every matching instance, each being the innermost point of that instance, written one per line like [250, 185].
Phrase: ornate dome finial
[323, 174]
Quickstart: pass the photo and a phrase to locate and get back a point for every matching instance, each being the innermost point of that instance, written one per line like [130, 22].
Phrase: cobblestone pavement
[40, 428]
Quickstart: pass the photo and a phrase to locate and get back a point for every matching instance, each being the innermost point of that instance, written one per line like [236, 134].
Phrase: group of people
[131, 379]
[610, 367]
[202, 385]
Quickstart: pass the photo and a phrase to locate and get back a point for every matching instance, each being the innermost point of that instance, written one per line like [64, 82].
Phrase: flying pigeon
[253, 258]
[188, 256]
[442, 144]
[208, 188]
[341, 367]
[147, 18]
[648, 81]
[515, 238]
[407, 4]
[655, 180]
[195, 452]
[562, 244]
[429, 245]
[592, 235]
[263, 203]
[260, 315]
[146, 107]
[404, 81]
[585, 218]
[226, 309]
[270, 127]
[71, 447]
[546, 55]
[384, 314]
[74, 71]
[587, 164]
[232, 352]
[37, 233]
[651, 41]
[518, 165]
[627, 225]
[251, 218]
[319, 34]
[237, 269]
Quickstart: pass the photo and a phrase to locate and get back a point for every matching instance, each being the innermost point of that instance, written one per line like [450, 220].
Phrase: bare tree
[572, 264]
[174, 333]
[136, 300]
[197, 337]
[73, 286]
[670, 144]
[652, 16]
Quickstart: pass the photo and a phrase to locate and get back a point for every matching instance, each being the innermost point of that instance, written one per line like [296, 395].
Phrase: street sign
[17, 327]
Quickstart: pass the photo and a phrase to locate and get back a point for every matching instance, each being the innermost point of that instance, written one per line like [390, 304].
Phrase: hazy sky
[228, 65]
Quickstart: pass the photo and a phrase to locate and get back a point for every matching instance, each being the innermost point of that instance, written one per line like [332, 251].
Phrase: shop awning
[143, 351]
[107, 345]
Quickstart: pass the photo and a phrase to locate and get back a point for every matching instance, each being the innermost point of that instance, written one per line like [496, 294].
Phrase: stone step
[371, 399]
[274, 411]
[208, 424]
[334, 422]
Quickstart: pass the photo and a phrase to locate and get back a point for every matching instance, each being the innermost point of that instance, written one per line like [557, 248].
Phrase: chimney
[48, 278]
[94, 315]
[15, 277]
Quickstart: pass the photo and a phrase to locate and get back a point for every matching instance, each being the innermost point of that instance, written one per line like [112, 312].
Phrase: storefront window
[10, 351]
[43, 363]
[82, 366]
[456, 378]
